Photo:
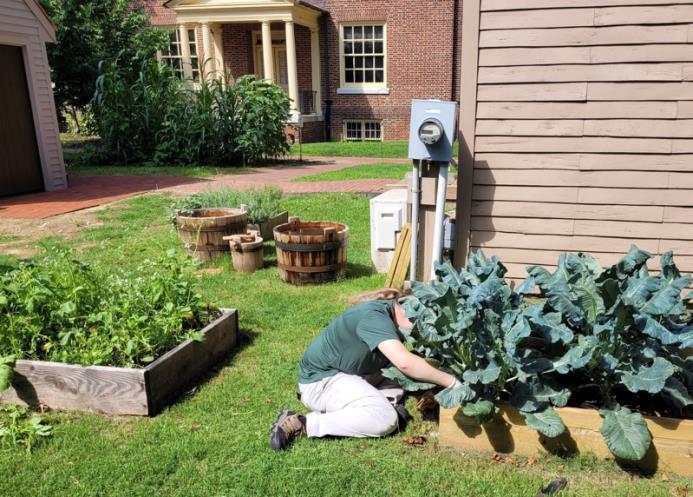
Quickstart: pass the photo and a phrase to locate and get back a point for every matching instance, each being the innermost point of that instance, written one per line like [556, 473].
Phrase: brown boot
[286, 429]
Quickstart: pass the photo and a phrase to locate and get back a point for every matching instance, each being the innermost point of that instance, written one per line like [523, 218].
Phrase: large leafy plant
[616, 331]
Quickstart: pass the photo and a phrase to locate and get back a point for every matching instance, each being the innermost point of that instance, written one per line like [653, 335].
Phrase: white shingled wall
[22, 23]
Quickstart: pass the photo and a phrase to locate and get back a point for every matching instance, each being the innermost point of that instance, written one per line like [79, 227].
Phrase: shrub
[262, 203]
[60, 309]
[158, 119]
[608, 338]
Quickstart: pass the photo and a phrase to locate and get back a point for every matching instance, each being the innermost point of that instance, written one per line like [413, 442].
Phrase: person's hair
[382, 294]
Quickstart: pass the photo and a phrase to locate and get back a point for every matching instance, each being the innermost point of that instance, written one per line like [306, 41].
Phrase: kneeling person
[339, 374]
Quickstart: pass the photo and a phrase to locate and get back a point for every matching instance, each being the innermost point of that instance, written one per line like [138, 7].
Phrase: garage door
[20, 167]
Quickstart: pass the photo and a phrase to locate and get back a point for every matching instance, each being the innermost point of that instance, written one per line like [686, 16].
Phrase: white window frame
[362, 123]
[192, 42]
[363, 87]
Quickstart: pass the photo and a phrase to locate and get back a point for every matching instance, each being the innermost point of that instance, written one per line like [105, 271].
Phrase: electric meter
[431, 131]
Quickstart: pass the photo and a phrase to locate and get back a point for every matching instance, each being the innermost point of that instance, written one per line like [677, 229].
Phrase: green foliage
[263, 203]
[154, 118]
[610, 337]
[6, 371]
[60, 309]
[90, 31]
[18, 426]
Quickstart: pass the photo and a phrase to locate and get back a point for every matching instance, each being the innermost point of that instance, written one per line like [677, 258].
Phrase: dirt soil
[18, 237]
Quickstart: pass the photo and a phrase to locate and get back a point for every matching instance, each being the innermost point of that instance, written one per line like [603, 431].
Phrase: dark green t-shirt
[349, 343]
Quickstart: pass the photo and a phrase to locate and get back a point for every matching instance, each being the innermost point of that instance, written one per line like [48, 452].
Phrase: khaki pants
[347, 405]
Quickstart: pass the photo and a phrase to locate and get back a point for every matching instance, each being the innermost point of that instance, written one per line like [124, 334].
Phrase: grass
[384, 150]
[214, 442]
[364, 171]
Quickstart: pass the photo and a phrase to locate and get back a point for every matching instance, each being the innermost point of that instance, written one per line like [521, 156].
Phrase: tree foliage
[91, 31]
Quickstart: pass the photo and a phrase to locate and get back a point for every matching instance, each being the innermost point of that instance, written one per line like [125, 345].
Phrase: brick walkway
[93, 190]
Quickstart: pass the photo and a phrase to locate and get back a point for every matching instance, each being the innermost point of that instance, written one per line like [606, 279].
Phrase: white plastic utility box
[388, 215]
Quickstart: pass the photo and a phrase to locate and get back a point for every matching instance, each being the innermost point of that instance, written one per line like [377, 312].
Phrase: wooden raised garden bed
[124, 391]
[671, 449]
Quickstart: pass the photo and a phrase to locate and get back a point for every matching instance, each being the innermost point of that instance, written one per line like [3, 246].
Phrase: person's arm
[413, 365]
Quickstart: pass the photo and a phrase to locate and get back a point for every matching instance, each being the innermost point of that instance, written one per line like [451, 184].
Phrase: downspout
[455, 49]
[327, 108]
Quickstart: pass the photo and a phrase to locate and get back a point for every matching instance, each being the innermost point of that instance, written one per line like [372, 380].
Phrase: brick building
[351, 67]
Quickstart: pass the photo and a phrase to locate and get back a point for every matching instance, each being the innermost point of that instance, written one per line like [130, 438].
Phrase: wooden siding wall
[19, 25]
[583, 134]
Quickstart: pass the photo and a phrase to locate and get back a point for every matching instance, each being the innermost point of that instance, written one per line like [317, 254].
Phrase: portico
[213, 17]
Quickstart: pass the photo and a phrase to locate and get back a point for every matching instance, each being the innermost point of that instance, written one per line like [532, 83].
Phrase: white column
[291, 66]
[218, 42]
[185, 51]
[315, 65]
[267, 52]
[207, 49]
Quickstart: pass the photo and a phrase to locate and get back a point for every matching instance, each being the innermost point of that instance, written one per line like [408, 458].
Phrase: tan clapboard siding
[549, 210]
[487, 5]
[641, 53]
[639, 91]
[666, 231]
[583, 110]
[619, 196]
[534, 127]
[653, 128]
[679, 128]
[557, 169]
[678, 215]
[20, 25]
[569, 144]
[533, 92]
[587, 162]
[533, 56]
[570, 37]
[606, 179]
[578, 72]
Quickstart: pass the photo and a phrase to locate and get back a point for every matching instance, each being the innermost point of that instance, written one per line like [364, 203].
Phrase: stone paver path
[93, 190]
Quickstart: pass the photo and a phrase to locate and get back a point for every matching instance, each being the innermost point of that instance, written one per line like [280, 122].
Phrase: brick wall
[419, 60]
[421, 53]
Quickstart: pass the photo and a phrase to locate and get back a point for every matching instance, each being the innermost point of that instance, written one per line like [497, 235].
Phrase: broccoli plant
[616, 330]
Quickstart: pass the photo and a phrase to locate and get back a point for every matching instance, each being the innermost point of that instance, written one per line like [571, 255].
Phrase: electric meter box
[432, 130]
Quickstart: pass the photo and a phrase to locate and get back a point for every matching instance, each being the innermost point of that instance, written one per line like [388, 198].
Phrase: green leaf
[649, 379]
[625, 433]
[6, 371]
[480, 409]
[406, 383]
[452, 397]
[578, 356]
[547, 422]
[484, 376]
[536, 396]
[677, 393]
[651, 327]
[631, 263]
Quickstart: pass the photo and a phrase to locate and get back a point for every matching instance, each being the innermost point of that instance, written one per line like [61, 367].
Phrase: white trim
[363, 123]
[363, 91]
[361, 86]
[312, 118]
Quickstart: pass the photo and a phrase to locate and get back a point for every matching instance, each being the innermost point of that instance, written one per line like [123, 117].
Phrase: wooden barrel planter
[246, 252]
[202, 231]
[310, 252]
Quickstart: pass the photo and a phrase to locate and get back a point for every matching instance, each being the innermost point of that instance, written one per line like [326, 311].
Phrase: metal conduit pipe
[440, 213]
[415, 193]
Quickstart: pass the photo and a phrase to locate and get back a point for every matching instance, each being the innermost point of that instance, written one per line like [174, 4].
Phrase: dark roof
[316, 4]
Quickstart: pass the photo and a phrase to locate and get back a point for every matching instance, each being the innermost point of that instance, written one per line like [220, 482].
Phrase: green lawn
[384, 150]
[364, 171]
[214, 441]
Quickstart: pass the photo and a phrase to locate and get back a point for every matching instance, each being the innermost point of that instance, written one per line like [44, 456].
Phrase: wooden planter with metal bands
[202, 231]
[311, 252]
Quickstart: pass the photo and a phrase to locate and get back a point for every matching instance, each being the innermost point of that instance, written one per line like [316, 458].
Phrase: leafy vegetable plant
[60, 309]
[605, 337]
[18, 426]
